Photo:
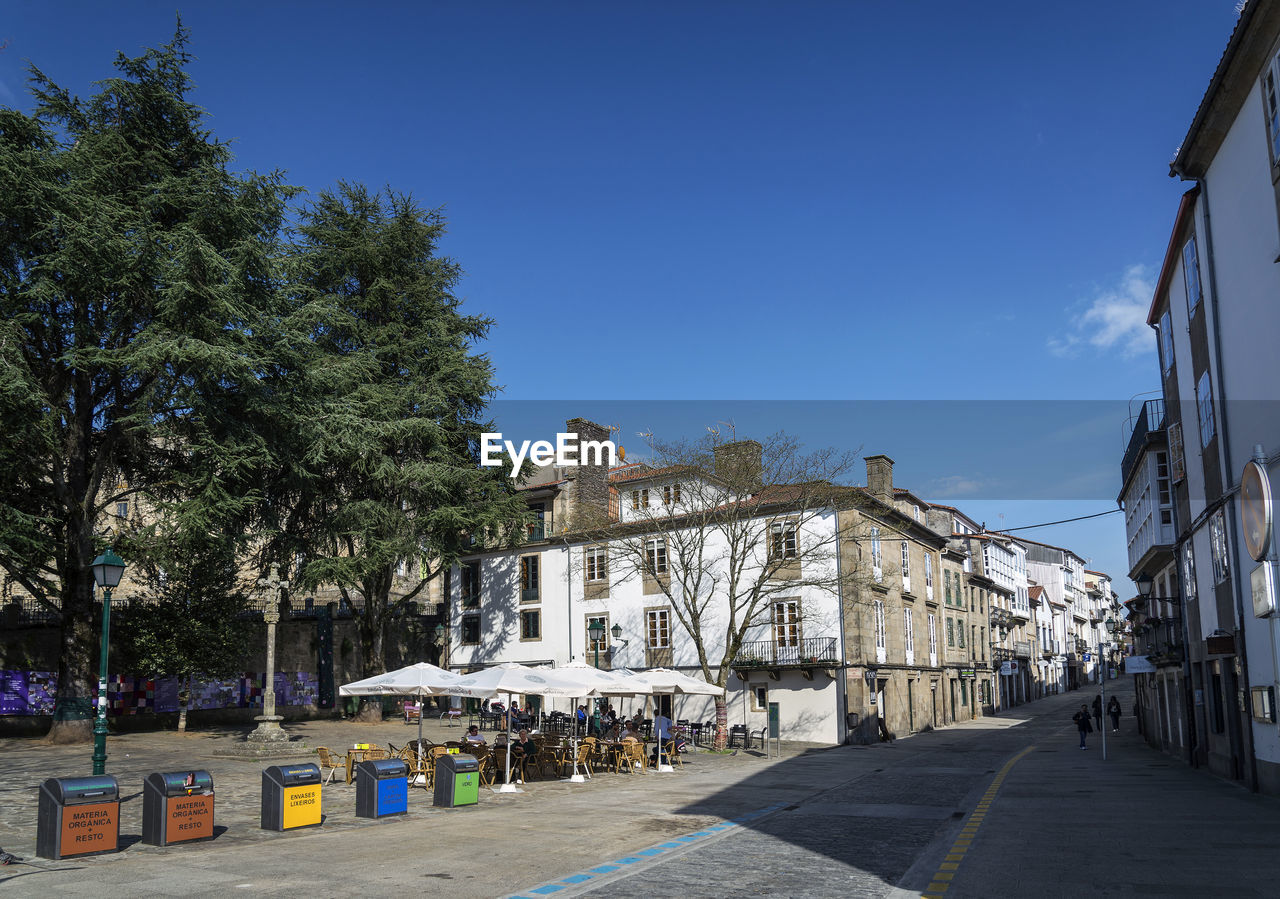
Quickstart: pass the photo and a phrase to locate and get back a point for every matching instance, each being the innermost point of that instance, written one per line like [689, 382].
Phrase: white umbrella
[667, 680]
[515, 679]
[422, 679]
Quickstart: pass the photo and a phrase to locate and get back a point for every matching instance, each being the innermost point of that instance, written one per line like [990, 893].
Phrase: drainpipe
[842, 723]
[1229, 478]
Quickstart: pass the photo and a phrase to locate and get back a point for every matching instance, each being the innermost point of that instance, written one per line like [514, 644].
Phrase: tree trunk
[722, 723]
[373, 628]
[184, 699]
[74, 712]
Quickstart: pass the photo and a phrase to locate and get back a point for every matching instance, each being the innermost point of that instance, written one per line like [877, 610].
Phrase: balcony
[1151, 418]
[1001, 618]
[1000, 654]
[806, 655]
[1022, 649]
[538, 530]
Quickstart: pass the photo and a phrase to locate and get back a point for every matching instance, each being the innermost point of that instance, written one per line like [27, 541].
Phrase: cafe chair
[331, 760]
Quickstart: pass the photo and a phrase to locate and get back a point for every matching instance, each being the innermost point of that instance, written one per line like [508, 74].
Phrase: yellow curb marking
[947, 869]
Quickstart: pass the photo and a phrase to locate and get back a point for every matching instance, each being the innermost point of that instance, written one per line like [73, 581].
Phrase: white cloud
[1115, 320]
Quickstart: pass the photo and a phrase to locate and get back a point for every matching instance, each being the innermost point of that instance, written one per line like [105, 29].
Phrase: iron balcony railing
[1151, 418]
[816, 651]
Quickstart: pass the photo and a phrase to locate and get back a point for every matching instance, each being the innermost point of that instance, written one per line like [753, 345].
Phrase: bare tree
[722, 529]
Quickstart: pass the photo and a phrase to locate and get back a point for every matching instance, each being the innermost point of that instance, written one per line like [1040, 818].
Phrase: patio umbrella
[602, 683]
[515, 679]
[668, 680]
[421, 680]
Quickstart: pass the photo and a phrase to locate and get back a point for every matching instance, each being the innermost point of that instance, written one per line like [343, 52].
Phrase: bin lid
[95, 788]
[385, 768]
[294, 774]
[182, 783]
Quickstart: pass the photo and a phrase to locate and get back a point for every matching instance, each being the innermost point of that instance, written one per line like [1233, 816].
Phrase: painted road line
[947, 869]
[604, 872]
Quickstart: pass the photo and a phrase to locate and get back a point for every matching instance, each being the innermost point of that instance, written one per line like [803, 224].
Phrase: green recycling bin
[457, 781]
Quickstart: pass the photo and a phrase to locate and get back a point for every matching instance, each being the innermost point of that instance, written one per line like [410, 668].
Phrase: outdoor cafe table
[354, 757]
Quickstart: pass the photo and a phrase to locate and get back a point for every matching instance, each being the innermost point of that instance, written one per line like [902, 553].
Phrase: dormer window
[671, 494]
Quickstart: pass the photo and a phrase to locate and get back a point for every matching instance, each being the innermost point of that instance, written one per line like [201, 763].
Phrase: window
[531, 624]
[640, 499]
[470, 584]
[537, 528]
[655, 556]
[951, 632]
[877, 557]
[1166, 342]
[759, 697]
[402, 568]
[1218, 547]
[1191, 276]
[122, 510]
[782, 540]
[786, 622]
[933, 635]
[1164, 489]
[1177, 462]
[960, 635]
[1188, 572]
[1204, 407]
[1271, 106]
[917, 511]
[909, 631]
[671, 494]
[470, 629]
[597, 566]
[879, 613]
[601, 645]
[658, 628]
[529, 578]
[946, 580]
[928, 570]
[906, 560]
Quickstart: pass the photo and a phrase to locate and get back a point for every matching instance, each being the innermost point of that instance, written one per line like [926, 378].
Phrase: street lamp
[596, 632]
[108, 568]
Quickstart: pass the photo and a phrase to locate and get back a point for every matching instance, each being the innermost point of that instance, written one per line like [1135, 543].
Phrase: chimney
[880, 478]
[589, 493]
[740, 464]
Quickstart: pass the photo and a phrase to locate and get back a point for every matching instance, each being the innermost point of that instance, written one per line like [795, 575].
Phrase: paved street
[998, 807]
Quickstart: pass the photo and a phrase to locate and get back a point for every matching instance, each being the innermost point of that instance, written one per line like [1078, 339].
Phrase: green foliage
[188, 627]
[388, 444]
[136, 277]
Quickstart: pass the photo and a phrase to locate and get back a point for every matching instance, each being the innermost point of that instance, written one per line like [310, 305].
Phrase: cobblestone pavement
[965, 811]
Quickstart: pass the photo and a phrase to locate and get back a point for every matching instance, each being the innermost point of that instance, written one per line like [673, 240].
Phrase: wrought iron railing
[819, 651]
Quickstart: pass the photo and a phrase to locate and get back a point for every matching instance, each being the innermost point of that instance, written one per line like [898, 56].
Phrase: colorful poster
[13, 693]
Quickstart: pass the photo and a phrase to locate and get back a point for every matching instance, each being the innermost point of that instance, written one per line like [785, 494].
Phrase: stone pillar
[268, 729]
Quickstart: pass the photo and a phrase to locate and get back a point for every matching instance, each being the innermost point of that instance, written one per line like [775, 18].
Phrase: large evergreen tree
[137, 353]
[388, 451]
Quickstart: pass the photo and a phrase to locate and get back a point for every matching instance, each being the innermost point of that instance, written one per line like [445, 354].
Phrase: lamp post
[108, 568]
[1111, 629]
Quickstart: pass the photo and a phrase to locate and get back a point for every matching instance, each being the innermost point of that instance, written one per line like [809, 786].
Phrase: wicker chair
[331, 760]
[669, 754]
[632, 756]
[584, 760]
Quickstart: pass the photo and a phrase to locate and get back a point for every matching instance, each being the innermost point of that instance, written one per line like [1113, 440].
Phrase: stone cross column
[273, 587]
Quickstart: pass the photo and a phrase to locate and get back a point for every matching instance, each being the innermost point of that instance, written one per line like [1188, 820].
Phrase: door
[933, 700]
[911, 708]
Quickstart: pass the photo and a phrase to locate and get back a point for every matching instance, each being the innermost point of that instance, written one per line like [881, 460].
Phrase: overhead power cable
[1028, 527]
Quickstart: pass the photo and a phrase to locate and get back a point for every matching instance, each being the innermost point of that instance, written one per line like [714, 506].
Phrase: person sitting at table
[473, 735]
[526, 745]
[630, 732]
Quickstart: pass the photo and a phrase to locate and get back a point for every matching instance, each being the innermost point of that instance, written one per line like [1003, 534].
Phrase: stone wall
[34, 649]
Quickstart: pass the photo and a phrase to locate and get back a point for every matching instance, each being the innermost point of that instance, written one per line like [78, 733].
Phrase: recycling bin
[382, 788]
[457, 781]
[290, 797]
[78, 816]
[177, 806]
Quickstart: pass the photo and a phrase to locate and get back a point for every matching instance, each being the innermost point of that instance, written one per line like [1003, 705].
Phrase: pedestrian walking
[1083, 724]
[1113, 709]
[1097, 710]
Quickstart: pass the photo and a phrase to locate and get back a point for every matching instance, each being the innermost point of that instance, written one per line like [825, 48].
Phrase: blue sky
[741, 203]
